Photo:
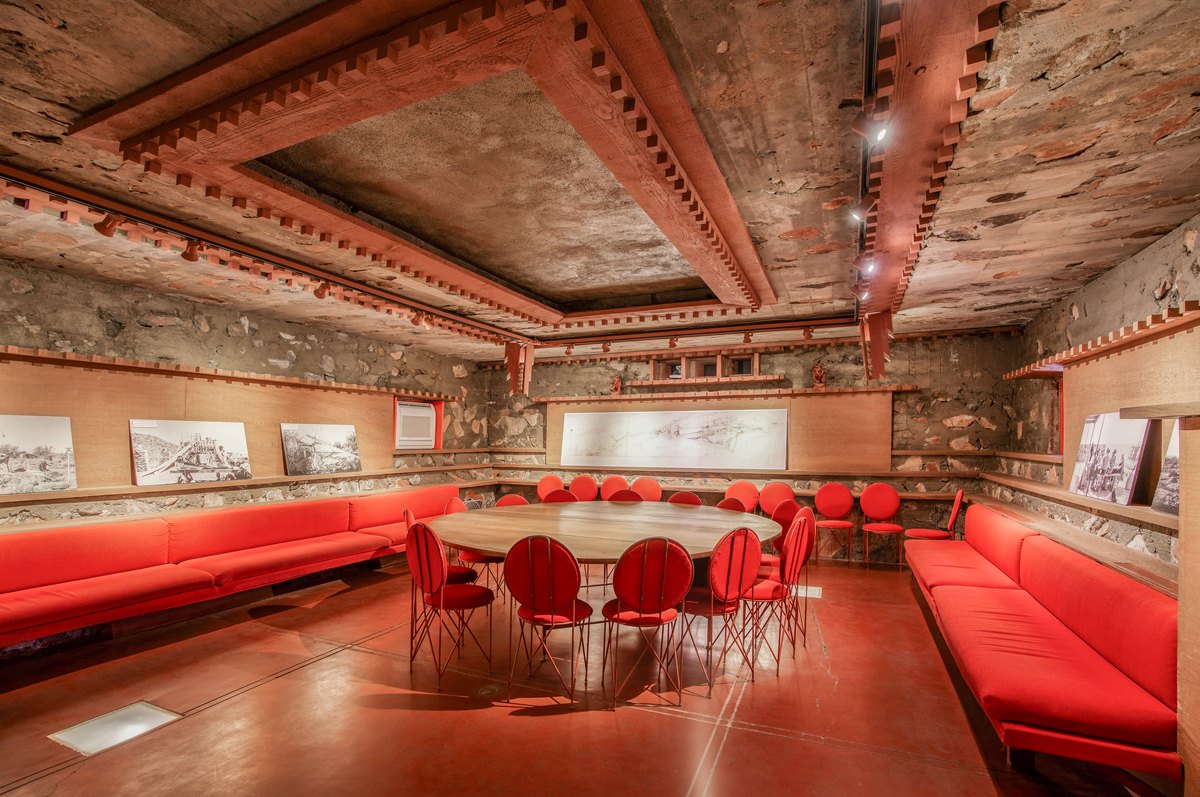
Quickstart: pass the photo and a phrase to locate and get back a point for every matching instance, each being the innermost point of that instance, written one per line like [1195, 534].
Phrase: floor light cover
[109, 730]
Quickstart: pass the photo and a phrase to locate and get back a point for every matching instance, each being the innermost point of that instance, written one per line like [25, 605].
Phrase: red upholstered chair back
[797, 545]
[455, 504]
[998, 538]
[384, 509]
[31, 559]
[542, 574]
[426, 558]
[733, 568]
[745, 492]
[548, 484]
[560, 497]
[611, 485]
[512, 499]
[958, 499]
[807, 514]
[409, 519]
[652, 575]
[834, 500]
[648, 488]
[625, 495]
[731, 503]
[773, 495]
[879, 502]
[199, 534]
[1131, 625]
[685, 498]
[584, 487]
[784, 514]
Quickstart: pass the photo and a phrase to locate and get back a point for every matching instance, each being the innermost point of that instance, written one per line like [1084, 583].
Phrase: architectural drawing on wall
[36, 454]
[711, 439]
[1110, 457]
[182, 452]
[311, 448]
[1166, 497]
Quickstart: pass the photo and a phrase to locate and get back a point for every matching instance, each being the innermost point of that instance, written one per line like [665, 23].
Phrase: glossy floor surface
[310, 693]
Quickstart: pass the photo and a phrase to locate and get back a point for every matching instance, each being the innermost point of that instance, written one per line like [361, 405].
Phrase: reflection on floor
[309, 693]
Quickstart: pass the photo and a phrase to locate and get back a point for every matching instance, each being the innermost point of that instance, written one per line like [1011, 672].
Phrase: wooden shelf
[1188, 409]
[1147, 569]
[69, 359]
[763, 474]
[1134, 515]
[1053, 459]
[678, 487]
[708, 380]
[1174, 320]
[406, 451]
[943, 452]
[719, 394]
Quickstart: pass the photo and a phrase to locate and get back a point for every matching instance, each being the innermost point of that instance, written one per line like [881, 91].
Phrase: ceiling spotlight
[322, 290]
[427, 323]
[109, 225]
[870, 267]
[191, 252]
[864, 207]
[570, 348]
[672, 342]
[866, 127]
[606, 348]
[746, 337]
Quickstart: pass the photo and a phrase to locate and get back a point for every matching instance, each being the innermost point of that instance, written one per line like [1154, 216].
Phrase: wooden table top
[597, 532]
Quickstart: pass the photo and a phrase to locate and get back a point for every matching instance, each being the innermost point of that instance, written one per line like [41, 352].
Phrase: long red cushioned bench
[1064, 655]
[55, 580]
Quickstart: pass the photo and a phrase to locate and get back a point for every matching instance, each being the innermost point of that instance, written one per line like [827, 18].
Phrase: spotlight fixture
[191, 252]
[746, 337]
[808, 333]
[606, 348]
[322, 290]
[864, 206]
[570, 348]
[672, 342]
[869, 267]
[866, 127]
[109, 225]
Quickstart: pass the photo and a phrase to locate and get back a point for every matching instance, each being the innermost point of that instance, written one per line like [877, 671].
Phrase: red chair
[548, 484]
[611, 485]
[470, 558]
[648, 488]
[732, 571]
[773, 495]
[628, 496]
[584, 487]
[512, 499]
[429, 568]
[560, 497]
[745, 492]
[935, 534]
[543, 578]
[834, 502]
[779, 600]
[649, 580]
[731, 503]
[785, 515]
[457, 574]
[685, 498]
[879, 503]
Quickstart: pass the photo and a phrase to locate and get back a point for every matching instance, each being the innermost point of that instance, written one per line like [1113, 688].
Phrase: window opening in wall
[743, 366]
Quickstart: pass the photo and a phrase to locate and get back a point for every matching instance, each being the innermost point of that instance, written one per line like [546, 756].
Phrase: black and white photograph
[183, 452]
[312, 448]
[1166, 496]
[1110, 457]
[36, 454]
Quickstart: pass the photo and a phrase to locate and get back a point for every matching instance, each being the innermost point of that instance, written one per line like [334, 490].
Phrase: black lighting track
[140, 216]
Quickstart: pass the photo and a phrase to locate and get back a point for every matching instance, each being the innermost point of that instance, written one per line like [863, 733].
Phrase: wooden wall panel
[99, 404]
[1160, 372]
[840, 431]
[1189, 603]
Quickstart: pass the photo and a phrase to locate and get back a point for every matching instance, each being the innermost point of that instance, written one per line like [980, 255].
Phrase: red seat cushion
[998, 538]
[394, 533]
[1024, 665]
[927, 534]
[460, 596]
[48, 604]
[700, 602]
[267, 559]
[478, 558]
[614, 611]
[834, 524]
[766, 589]
[195, 535]
[946, 563]
[457, 574]
[577, 612]
[385, 509]
[1128, 623]
[72, 553]
[883, 528]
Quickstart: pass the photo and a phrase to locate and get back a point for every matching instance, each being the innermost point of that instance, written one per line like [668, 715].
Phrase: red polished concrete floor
[309, 693]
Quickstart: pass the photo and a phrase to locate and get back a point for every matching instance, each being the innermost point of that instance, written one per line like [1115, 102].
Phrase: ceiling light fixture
[322, 290]
[191, 252]
[109, 225]
[866, 127]
[864, 207]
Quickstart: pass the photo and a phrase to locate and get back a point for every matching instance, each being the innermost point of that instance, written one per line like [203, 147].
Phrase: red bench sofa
[55, 580]
[1065, 656]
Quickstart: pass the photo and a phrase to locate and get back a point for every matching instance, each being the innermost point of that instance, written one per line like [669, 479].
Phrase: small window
[742, 367]
[710, 369]
[676, 371]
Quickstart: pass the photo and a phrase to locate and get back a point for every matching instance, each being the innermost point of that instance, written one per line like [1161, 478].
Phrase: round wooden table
[597, 532]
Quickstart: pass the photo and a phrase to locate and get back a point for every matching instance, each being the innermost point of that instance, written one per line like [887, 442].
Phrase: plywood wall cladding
[100, 404]
[1189, 600]
[1160, 372]
[840, 431]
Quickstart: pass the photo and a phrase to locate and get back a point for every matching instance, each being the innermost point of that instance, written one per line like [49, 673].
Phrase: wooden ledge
[1141, 567]
[679, 487]
[401, 452]
[766, 475]
[70, 359]
[1139, 516]
[942, 452]
[1053, 459]
[722, 394]
[739, 379]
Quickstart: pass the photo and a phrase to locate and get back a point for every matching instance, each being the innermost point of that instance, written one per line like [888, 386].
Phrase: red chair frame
[685, 498]
[512, 499]
[628, 496]
[731, 503]
[560, 497]
[935, 534]
[879, 504]
[770, 599]
[834, 502]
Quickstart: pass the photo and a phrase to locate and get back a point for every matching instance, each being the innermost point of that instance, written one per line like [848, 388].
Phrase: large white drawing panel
[710, 439]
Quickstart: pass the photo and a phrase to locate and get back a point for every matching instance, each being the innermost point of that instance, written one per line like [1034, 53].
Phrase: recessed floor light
[115, 727]
[813, 592]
